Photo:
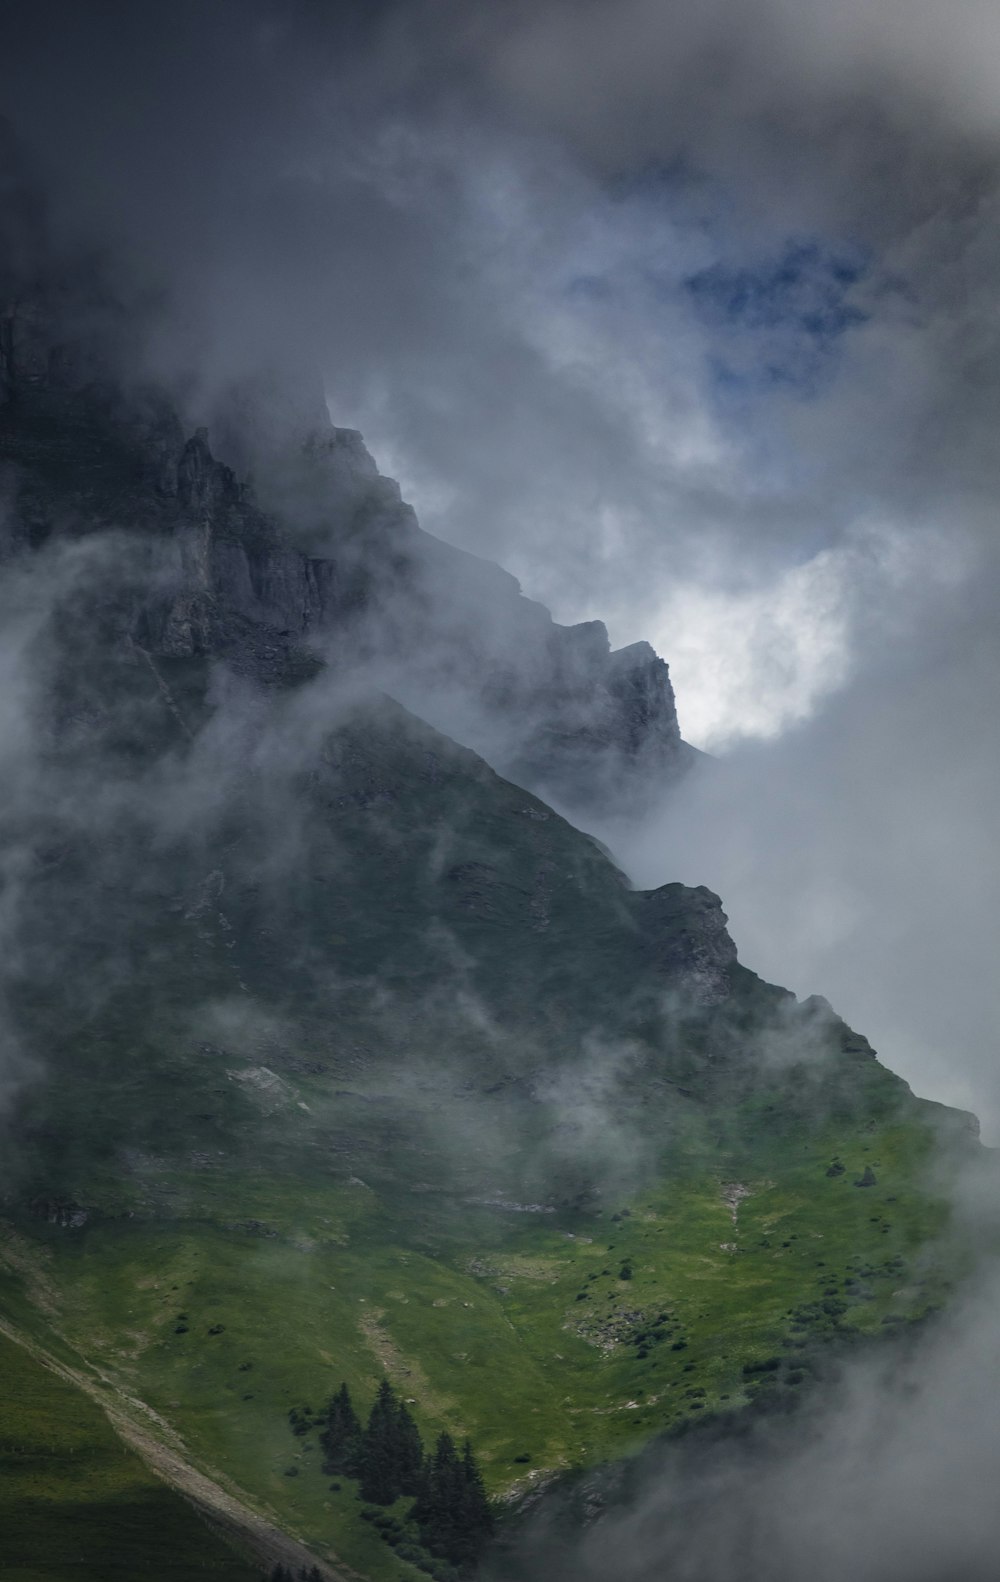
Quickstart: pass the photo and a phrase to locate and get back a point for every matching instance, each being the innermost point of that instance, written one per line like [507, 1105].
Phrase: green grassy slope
[354, 1059]
[514, 1327]
[76, 1504]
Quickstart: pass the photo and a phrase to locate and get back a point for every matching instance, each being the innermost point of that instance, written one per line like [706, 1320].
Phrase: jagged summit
[311, 556]
[332, 1054]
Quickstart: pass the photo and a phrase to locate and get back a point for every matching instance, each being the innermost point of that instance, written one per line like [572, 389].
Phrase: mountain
[334, 1051]
[339, 569]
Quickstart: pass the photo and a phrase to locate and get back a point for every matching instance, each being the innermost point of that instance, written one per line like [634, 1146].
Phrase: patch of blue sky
[704, 332]
[777, 323]
[678, 254]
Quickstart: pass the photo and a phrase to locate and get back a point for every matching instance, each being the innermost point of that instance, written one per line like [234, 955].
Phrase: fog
[687, 318]
[883, 1474]
[686, 315]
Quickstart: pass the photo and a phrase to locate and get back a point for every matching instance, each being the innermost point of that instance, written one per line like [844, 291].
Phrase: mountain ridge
[343, 1053]
[553, 704]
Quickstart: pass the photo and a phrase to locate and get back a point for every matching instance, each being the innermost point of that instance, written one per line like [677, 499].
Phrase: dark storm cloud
[540, 254]
[313, 193]
[686, 314]
[857, 855]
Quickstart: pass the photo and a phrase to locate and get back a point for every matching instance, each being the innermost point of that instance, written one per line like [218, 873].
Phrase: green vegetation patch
[76, 1505]
[553, 1339]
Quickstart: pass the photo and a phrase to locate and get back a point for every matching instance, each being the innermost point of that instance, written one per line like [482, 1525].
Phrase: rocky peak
[315, 558]
[686, 940]
[203, 484]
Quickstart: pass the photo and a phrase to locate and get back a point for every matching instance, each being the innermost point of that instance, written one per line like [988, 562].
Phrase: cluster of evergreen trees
[450, 1510]
[386, 1457]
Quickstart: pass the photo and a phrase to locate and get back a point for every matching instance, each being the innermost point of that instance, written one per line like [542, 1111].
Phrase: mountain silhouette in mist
[335, 1050]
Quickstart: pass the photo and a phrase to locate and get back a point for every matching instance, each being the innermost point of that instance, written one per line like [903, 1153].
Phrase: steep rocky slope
[336, 569]
[335, 1053]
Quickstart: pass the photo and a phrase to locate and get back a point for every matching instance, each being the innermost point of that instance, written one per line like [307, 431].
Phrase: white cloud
[751, 662]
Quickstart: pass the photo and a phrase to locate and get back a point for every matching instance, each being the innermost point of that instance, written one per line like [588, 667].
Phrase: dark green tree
[380, 1467]
[476, 1520]
[341, 1435]
[411, 1451]
[451, 1509]
[437, 1499]
[391, 1451]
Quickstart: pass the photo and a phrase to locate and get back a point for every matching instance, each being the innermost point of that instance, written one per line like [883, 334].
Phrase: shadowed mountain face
[314, 555]
[218, 803]
[331, 1052]
[220, 813]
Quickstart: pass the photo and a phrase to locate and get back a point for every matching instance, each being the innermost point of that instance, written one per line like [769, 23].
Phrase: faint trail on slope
[407, 1372]
[251, 1533]
[733, 1194]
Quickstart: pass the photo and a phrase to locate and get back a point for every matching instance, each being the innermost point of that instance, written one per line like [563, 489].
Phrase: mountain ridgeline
[337, 570]
[333, 1052]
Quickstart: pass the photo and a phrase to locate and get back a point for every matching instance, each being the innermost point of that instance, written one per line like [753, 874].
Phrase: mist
[686, 316]
[882, 1473]
[687, 322]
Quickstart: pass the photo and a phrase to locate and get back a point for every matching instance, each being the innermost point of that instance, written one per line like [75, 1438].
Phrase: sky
[684, 311]
[684, 314]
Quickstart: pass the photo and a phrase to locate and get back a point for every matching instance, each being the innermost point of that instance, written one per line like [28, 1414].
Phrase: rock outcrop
[314, 558]
[686, 941]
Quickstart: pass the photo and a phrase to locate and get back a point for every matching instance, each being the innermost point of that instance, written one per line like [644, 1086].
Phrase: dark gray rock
[685, 938]
[313, 558]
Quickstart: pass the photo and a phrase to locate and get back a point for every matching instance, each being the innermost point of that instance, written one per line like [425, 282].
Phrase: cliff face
[314, 1024]
[685, 939]
[316, 559]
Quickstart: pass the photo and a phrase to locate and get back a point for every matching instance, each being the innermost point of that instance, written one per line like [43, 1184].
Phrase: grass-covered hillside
[342, 1059]
[76, 1505]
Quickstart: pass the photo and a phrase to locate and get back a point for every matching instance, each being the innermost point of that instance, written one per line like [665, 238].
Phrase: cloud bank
[684, 314]
[687, 315]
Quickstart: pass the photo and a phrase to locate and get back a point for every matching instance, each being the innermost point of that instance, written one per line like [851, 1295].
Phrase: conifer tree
[475, 1522]
[341, 1435]
[437, 1503]
[411, 1451]
[380, 1450]
[391, 1453]
[451, 1508]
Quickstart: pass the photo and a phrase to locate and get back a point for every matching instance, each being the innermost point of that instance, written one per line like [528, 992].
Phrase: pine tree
[341, 1435]
[411, 1451]
[380, 1457]
[437, 1502]
[451, 1508]
[391, 1454]
[475, 1524]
